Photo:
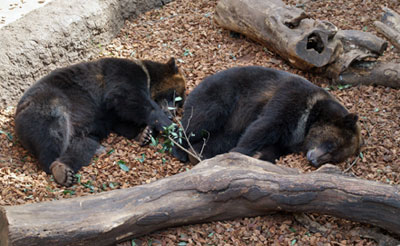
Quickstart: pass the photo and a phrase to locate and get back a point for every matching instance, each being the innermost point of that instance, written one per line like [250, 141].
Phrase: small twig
[352, 164]
[198, 156]
[204, 144]
[190, 118]
[182, 148]
[192, 151]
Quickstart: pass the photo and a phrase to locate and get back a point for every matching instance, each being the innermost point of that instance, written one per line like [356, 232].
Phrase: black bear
[62, 118]
[267, 113]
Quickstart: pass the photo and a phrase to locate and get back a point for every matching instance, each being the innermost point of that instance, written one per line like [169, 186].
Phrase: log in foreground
[308, 44]
[225, 187]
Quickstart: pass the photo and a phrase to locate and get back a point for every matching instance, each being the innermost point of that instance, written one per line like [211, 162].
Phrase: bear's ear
[350, 121]
[172, 65]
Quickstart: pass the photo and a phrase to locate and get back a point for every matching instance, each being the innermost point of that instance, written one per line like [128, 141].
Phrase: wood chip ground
[185, 30]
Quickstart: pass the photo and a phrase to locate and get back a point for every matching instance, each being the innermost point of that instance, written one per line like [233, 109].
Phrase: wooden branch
[306, 43]
[389, 26]
[371, 73]
[225, 187]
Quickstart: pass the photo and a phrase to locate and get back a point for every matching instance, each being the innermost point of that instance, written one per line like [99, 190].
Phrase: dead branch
[225, 187]
[389, 26]
[309, 44]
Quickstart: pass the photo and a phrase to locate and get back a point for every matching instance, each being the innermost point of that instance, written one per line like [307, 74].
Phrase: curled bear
[267, 113]
[62, 118]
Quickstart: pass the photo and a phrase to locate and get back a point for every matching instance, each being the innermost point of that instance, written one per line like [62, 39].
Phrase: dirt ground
[184, 29]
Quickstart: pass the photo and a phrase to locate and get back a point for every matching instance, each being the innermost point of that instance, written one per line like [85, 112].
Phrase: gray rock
[60, 33]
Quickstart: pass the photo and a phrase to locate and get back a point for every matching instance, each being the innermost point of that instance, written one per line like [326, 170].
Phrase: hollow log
[389, 26]
[286, 30]
[307, 44]
[225, 187]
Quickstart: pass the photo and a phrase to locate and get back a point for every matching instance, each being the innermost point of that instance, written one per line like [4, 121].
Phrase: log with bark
[389, 26]
[225, 187]
[307, 44]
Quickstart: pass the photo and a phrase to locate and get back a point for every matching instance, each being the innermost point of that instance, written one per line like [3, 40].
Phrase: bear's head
[333, 140]
[167, 85]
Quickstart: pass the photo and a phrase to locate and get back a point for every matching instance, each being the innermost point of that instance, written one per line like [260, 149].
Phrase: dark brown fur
[268, 113]
[62, 117]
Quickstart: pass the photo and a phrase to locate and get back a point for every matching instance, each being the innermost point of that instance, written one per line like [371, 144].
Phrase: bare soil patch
[185, 30]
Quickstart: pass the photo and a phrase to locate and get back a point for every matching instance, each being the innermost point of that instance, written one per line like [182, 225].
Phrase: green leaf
[141, 160]
[211, 234]
[361, 155]
[154, 142]
[187, 53]
[182, 243]
[123, 166]
[111, 185]
[89, 185]
[171, 108]
[8, 135]
[133, 242]
[292, 229]
[71, 192]
[110, 152]
[49, 189]
[163, 160]
[293, 242]
[78, 176]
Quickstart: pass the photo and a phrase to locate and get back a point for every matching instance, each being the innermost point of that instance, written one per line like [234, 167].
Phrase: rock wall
[62, 32]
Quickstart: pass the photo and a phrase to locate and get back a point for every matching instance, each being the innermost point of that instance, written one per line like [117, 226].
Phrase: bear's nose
[313, 156]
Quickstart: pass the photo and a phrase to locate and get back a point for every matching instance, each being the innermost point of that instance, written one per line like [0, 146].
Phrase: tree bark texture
[308, 44]
[389, 26]
[225, 187]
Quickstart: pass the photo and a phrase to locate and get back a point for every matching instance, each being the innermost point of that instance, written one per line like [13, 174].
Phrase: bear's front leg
[261, 132]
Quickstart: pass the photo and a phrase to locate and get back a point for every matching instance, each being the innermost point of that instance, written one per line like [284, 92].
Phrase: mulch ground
[184, 29]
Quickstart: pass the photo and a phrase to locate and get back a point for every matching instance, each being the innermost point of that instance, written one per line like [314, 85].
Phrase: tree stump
[225, 187]
[308, 44]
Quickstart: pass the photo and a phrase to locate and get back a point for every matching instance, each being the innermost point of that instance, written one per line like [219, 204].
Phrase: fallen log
[371, 73]
[389, 26]
[286, 30]
[225, 187]
[308, 44]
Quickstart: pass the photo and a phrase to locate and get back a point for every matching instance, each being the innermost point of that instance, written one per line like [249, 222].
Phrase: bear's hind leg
[79, 153]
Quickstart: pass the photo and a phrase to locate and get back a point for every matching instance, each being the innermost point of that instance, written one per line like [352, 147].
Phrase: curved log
[225, 187]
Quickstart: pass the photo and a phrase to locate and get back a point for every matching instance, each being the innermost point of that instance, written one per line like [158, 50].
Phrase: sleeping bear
[62, 118]
[267, 113]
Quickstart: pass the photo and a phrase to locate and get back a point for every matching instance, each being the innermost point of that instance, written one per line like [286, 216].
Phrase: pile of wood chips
[184, 29]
